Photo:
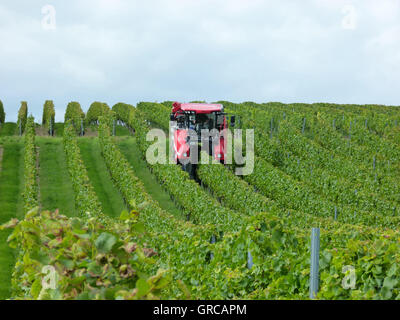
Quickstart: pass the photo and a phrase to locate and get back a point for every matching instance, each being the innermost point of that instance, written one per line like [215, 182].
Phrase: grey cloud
[120, 50]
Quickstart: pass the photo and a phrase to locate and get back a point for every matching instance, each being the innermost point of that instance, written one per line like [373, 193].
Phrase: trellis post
[249, 259]
[314, 271]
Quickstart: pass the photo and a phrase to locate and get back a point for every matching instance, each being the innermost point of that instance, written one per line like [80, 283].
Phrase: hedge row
[22, 116]
[75, 114]
[96, 110]
[81, 259]
[2, 113]
[132, 188]
[86, 201]
[49, 114]
[30, 193]
[124, 112]
[279, 251]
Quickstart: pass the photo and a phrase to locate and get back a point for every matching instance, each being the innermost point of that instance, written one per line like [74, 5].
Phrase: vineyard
[78, 198]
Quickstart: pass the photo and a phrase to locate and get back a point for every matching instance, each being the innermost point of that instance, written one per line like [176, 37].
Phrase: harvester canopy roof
[196, 107]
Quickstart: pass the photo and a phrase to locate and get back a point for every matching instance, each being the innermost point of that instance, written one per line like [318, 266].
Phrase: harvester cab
[200, 126]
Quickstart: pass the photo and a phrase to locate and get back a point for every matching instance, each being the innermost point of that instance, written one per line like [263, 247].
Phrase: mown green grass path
[11, 206]
[132, 153]
[56, 190]
[109, 196]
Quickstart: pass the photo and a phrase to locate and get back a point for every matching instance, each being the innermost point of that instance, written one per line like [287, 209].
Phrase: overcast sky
[237, 50]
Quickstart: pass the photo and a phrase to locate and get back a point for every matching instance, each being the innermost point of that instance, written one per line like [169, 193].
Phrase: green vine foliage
[2, 113]
[200, 206]
[123, 112]
[22, 116]
[49, 114]
[150, 254]
[306, 170]
[88, 260]
[130, 186]
[156, 113]
[96, 110]
[279, 242]
[75, 114]
[238, 195]
[30, 193]
[87, 203]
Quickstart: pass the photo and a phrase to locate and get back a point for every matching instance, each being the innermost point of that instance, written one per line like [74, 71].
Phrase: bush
[89, 260]
[22, 116]
[123, 111]
[30, 193]
[2, 113]
[86, 200]
[75, 114]
[48, 115]
[96, 110]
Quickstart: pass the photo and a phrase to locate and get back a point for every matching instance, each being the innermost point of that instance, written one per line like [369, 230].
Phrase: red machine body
[197, 107]
[198, 116]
